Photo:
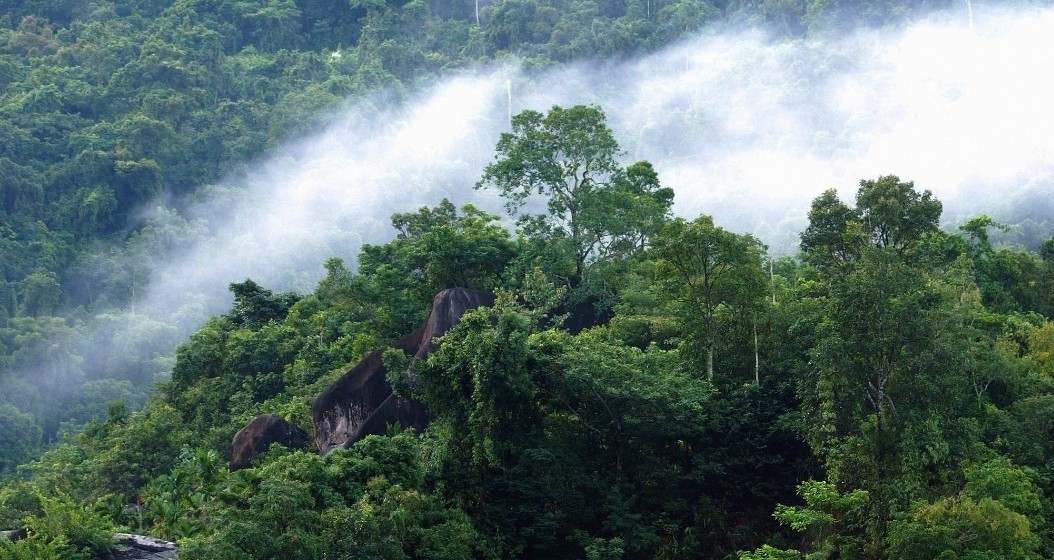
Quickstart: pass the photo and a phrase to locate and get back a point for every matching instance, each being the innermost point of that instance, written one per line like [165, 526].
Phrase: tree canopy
[645, 386]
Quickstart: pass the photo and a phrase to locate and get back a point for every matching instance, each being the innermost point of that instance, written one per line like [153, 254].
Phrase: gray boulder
[361, 402]
[14, 534]
[138, 547]
[257, 436]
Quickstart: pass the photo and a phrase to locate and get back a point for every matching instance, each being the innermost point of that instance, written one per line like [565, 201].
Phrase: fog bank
[744, 128]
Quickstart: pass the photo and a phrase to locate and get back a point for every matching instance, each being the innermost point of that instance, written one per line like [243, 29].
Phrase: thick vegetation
[885, 394]
[882, 396]
[107, 108]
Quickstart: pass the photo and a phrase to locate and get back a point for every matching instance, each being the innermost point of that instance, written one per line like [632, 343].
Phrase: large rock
[13, 534]
[258, 435]
[361, 402]
[125, 546]
[138, 547]
[447, 309]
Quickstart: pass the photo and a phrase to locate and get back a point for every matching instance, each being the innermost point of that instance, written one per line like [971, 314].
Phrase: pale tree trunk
[710, 360]
[757, 357]
[772, 280]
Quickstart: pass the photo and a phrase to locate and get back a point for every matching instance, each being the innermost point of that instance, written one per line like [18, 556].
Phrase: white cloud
[743, 128]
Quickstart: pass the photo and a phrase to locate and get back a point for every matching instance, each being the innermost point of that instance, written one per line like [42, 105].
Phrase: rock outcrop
[125, 546]
[138, 547]
[258, 435]
[13, 534]
[361, 402]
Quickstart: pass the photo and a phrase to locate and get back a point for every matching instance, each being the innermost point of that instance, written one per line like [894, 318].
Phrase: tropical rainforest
[645, 385]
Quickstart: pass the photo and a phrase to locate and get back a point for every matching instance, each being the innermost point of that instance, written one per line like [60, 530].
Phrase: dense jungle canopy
[645, 386]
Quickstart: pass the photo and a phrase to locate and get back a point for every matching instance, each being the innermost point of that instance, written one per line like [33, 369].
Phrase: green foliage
[999, 479]
[479, 382]
[896, 215]
[64, 529]
[181, 503]
[898, 337]
[767, 552]
[712, 274]
[915, 363]
[435, 249]
[961, 527]
[822, 501]
[823, 518]
[363, 502]
[391, 523]
[117, 457]
[255, 306]
[597, 209]
[19, 434]
[18, 500]
[889, 214]
[38, 549]
[834, 235]
[535, 424]
[825, 16]
[108, 110]
[1009, 280]
[607, 443]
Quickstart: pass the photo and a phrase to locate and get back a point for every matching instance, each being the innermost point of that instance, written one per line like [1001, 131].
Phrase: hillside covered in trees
[894, 376]
[644, 386]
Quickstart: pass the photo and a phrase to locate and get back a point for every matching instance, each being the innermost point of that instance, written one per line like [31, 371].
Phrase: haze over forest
[742, 126]
[752, 279]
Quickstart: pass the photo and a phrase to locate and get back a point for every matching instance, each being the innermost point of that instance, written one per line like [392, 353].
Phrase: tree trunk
[881, 495]
[710, 360]
[757, 356]
[772, 280]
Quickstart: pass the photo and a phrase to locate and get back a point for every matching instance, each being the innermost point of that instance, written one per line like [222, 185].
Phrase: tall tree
[570, 156]
[436, 248]
[888, 351]
[709, 270]
[834, 236]
[895, 214]
[889, 213]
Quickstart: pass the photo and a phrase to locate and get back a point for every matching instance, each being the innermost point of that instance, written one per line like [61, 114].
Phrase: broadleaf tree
[709, 271]
[571, 157]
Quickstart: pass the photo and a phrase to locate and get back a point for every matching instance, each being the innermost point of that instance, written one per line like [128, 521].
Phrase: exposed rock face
[258, 435]
[137, 547]
[447, 309]
[13, 535]
[125, 546]
[361, 402]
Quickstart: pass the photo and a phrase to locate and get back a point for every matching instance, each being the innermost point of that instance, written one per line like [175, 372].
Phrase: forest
[645, 385]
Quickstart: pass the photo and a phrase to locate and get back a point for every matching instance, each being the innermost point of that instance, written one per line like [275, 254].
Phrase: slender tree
[709, 269]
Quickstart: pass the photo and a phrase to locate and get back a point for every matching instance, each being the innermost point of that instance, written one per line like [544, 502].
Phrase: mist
[743, 127]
